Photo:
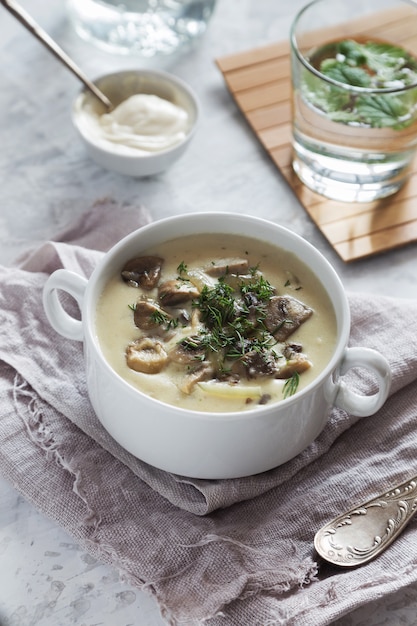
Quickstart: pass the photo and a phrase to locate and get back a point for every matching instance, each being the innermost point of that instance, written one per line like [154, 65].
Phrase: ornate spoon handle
[359, 535]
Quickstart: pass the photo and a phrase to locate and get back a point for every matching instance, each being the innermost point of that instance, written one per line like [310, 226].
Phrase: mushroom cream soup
[216, 323]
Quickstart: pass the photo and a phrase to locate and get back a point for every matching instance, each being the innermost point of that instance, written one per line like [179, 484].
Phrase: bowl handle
[60, 320]
[373, 361]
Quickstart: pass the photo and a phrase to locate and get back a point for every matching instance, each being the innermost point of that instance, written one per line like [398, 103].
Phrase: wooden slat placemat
[260, 82]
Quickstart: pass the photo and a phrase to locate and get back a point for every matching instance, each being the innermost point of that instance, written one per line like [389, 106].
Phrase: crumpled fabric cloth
[223, 552]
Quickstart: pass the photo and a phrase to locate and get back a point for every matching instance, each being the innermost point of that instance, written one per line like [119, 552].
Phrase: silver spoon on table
[53, 47]
[363, 532]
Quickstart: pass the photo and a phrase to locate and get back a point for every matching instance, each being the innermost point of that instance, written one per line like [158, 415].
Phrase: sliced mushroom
[296, 361]
[187, 351]
[204, 372]
[256, 363]
[284, 315]
[146, 355]
[174, 292]
[227, 266]
[289, 349]
[143, 271]
[148, 315]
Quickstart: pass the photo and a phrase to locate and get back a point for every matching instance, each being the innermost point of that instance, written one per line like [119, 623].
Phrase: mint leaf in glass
[370, 65]
[381, 111]
[343, 73]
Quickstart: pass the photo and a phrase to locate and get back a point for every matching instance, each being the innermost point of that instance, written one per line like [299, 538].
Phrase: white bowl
[118, 87]
[213, 445]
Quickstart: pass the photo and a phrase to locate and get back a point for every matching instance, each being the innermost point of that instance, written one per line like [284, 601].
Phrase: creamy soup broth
[116, 329]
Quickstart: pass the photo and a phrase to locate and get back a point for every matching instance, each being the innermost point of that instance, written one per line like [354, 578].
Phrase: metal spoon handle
[21, 15]
[359, 535]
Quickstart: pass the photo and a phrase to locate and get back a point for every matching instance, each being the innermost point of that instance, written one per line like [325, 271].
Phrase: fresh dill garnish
[280, 325]
[159, 317]
[192, 343]
[291, 385]
[234, 318]
[195, 346]
[216, 304]
[182, 268]
[259, 287]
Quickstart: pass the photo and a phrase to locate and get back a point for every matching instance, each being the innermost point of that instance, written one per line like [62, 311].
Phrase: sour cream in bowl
[154, 118]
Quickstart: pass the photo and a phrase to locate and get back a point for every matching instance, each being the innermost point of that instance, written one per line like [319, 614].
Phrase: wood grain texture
[260, 82]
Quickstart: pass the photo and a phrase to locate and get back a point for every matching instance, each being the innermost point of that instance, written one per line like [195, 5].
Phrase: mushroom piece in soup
[216, 323]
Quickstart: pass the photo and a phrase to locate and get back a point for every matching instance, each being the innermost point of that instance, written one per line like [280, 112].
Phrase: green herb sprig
[161, 318]
[291, 385]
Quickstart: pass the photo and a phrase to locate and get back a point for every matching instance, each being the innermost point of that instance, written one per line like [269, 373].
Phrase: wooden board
[260, 82]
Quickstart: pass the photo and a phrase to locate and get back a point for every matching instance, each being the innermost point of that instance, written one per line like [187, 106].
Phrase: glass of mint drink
[354, 76]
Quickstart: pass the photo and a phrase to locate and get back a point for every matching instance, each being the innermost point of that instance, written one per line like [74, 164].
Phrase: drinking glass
[147, 28]
[354, 77]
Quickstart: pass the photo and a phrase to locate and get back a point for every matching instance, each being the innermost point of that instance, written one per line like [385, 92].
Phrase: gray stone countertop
[47, 180]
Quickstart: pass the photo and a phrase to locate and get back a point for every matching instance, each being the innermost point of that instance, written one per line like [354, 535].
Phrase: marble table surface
[47, 180]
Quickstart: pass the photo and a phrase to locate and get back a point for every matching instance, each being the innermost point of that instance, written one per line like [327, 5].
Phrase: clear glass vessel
[144, 27]
[354, 76]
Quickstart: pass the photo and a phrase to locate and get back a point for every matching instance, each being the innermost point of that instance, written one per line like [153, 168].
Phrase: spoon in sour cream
[22, 16]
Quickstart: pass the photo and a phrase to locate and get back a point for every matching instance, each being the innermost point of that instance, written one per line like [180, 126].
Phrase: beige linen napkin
[233, 552]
